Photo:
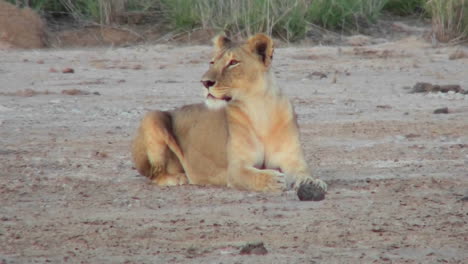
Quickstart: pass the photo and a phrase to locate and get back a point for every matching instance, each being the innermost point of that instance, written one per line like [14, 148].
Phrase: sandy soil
[397, 172]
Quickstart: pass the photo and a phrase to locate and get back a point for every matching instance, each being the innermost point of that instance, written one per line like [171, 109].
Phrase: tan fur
[250, 142]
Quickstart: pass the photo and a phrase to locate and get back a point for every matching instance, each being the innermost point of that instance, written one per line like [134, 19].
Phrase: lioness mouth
[224, 98]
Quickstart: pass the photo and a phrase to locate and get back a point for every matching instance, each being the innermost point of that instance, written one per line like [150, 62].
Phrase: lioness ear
[221, 42]
[262, 45]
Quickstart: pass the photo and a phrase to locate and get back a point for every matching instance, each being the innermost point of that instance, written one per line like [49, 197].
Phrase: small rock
[412, 135]
[422, 87]
[68, 70]
[316, 74]
[443, 110]
[254, 249]
[53, 70]
[450, 88]
[310, 192]
[384, 106]
[74, 92]
[99, 154]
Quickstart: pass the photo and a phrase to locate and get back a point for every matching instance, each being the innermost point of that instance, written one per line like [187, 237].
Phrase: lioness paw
[312, 190]
[271, 182]
[171, 179]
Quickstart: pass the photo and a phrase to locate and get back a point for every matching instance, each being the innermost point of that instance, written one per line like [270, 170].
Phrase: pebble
[310, 192]
[443, 110]
[254, 249]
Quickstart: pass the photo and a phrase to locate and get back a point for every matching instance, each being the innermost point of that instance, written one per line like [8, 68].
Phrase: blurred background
[60, 23]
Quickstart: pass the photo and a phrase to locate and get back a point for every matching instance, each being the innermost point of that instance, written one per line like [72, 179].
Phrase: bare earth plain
[397, 172]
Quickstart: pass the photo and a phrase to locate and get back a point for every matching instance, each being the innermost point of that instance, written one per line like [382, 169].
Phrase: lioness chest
[203, 135]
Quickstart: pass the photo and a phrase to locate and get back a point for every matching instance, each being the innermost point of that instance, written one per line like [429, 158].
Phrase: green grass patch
[288, 19]
[345, 14]
[405, 7]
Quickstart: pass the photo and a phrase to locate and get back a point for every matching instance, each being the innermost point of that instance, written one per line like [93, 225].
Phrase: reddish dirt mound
[20, 28]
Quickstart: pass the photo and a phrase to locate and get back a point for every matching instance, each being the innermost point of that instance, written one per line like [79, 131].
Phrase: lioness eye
[233, 62]
[211, 62]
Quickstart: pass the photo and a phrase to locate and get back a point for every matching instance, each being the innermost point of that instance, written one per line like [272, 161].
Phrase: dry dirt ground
[397, 172]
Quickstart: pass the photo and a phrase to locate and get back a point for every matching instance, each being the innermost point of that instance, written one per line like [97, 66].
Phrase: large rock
[20, 28]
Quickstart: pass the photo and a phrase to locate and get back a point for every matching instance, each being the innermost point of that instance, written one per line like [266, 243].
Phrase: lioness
[244, 136]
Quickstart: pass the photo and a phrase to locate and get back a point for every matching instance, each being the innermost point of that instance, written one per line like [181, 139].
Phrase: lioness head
[238, 70]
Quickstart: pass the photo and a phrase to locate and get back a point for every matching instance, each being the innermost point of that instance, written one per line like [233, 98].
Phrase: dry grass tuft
[449, 20]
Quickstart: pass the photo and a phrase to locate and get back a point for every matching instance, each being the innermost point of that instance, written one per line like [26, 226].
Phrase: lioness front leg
[298, 175]
[285, 151]
[245, 154]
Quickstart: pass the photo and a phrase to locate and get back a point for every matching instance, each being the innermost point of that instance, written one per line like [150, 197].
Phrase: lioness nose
[208, 83]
